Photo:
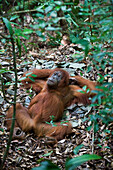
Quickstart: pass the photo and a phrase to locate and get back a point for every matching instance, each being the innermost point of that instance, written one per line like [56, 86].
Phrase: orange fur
[56, 94]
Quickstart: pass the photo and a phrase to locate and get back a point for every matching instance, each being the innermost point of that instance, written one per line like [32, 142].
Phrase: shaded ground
[27, 153]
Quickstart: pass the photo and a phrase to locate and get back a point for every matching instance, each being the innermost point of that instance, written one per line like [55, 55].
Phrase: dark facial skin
[54, 79]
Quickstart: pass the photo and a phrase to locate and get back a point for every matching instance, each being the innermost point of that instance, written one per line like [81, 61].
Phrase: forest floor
[29, 152]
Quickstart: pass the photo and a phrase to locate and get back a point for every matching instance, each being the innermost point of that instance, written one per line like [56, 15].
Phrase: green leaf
[3, 41]
[81, 91]
[84, 88]
[1, 129]
[24, 47]
[39, 33]
[96, 127]
[89, 128]
[42, 24]
[48, 154]
[39, 15]
[53, 15]
[77, 149]
[32, 79]
[49, 8]
[39, 9]
[33, 75]
[52, 28]
[22, 78]
[94, 99]
[19, 45]
[3, 70]
[63, 8]
[73, 163]
[58, 3]
[55, 20]
[99, 145]
[8, 25]
[74, 22]
[27, 31]
[14, 17]
[47, 165]
[88, 90]
[18, 32]
[27, 74]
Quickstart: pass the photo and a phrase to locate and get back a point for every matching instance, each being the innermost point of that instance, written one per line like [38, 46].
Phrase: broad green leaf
[73, 163]
[8, 25]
